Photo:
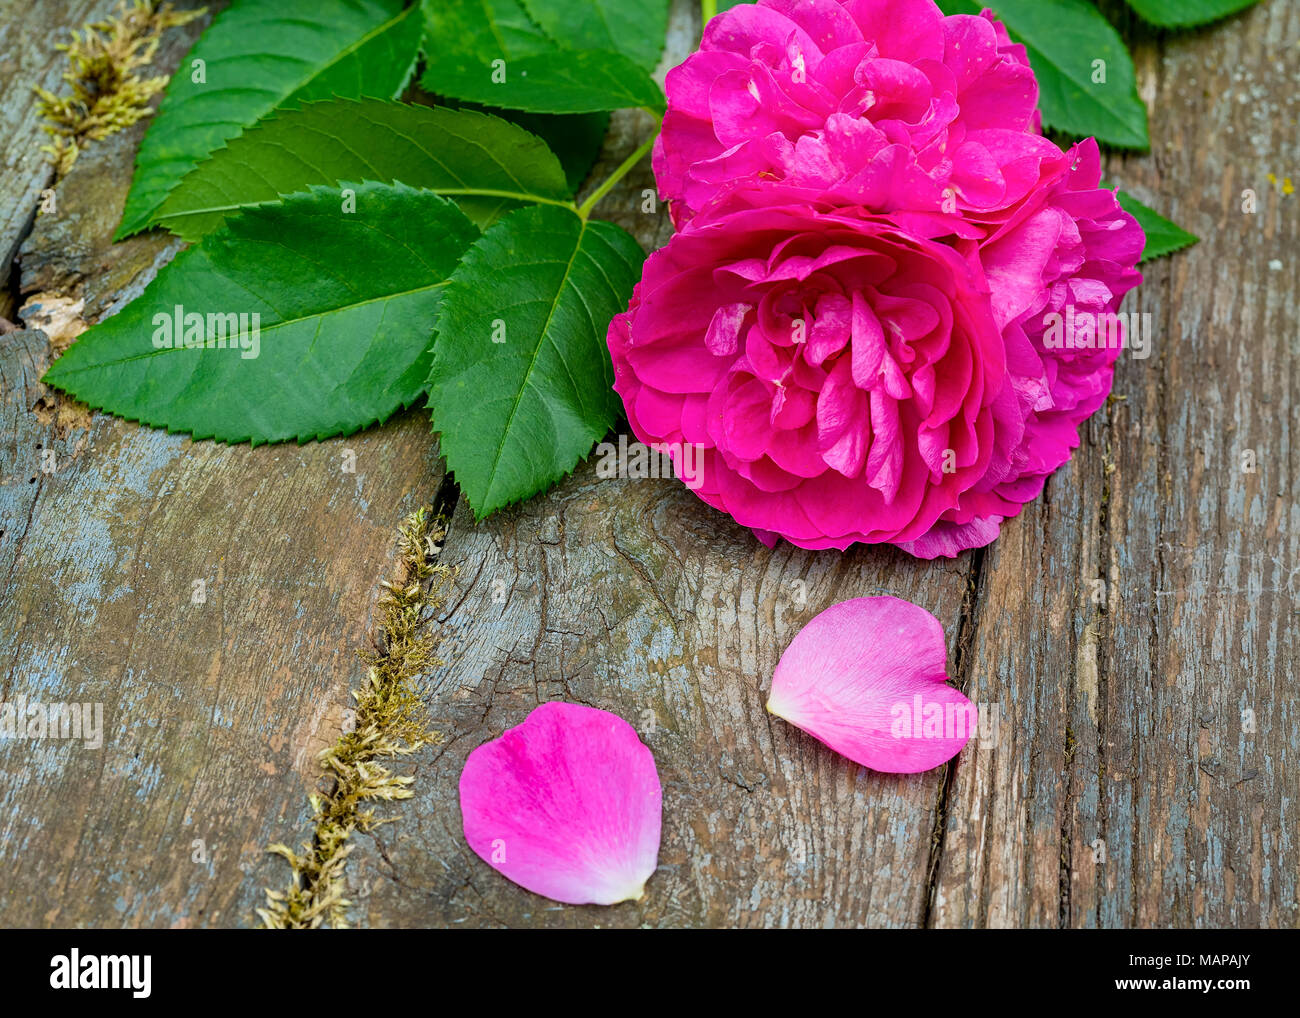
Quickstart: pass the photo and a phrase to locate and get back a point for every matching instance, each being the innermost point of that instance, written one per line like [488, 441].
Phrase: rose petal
[567, 804]
[867, 677]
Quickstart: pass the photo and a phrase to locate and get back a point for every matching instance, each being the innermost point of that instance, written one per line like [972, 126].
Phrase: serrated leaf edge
[122, 234]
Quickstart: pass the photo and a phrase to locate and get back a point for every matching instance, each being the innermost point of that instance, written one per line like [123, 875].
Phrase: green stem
[709, 9]
[584, 210]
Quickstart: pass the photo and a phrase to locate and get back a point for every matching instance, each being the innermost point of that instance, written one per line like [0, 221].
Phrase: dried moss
[107, 92]
[390, 723]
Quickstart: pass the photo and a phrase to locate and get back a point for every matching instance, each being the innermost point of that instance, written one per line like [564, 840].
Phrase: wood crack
[971, 609]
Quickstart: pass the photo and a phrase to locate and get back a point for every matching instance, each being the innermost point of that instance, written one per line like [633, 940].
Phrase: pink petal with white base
[867, 677]
[567, 804]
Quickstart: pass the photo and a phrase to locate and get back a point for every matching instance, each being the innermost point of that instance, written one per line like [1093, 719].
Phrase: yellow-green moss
[107, 92]
[390, 722]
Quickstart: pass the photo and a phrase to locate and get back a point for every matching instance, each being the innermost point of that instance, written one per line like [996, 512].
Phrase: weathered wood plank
[1122, 721]
[1127, 728]
[636, 597]
[72, 253]
[212, 712]
[29, 34]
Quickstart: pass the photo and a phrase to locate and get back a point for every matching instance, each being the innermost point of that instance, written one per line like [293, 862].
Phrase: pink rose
[844, 378]
[855, 377]
[1057, 265]
[890, 305]
[885, 103]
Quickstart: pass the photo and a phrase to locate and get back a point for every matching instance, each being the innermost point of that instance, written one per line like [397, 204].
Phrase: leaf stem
[709, 9]
[584, 210]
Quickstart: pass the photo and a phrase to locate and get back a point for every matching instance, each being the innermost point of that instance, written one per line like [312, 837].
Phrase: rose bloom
[1069, 251]
[885, 103]
[857, 376]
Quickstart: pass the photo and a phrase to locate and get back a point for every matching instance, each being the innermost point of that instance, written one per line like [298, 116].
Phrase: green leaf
[258, 56]
[1163, 237]
[635, 28]
[347, 303]
[1063, 39]
[485, 163]
[522, 382]
[489, 52]
[575, 138]
[1183, 13]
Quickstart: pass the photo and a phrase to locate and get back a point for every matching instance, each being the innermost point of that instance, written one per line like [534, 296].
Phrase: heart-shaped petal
[567, 804]
[867, 677]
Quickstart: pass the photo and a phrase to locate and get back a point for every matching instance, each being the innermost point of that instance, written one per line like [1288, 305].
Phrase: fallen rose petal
[867, 677]
[567, 804]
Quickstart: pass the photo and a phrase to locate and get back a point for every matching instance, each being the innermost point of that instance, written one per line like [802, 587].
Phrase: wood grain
[1135, 630]
[29, 34]
[1129, 790]
[633, 596]
[213, 712]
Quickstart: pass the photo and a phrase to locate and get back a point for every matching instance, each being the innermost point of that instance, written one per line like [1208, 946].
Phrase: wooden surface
[28, 34]
[213, 713]
[1144, 771]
